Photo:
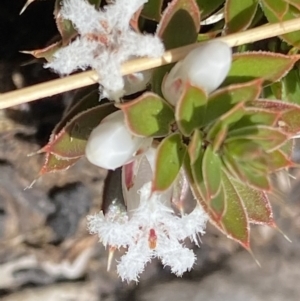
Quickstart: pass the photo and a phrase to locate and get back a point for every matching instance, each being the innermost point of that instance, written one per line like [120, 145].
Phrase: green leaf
[196, 153]
[46, 53]
[239, 14]
[269, 138]
[217, 204]
[256, 116]
[152, 10]
[256, 203]
[225, 210]
[295, 3]
[65, 27]
[278, 11]
[213, 209]
[70, 142]
[289, 120]
[226, 98]
[211, 169]
[195, 146]
[277, 160]
[291, 87]
[278, 8]
[53, 163]
[269, 66]
[190, 109]
[169, 159]
[207, 7]
[179, 26]
[254, 178]
[235, 219]
[231, 117]
[246, 161]
[243, 149]
[148, 115]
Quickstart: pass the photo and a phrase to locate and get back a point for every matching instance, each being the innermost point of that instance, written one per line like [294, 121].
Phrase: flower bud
[111, 145]
[205, 67]
[136, 82]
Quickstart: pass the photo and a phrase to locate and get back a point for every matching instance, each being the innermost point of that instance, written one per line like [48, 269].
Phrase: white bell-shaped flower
[111, 145]
[205, 67]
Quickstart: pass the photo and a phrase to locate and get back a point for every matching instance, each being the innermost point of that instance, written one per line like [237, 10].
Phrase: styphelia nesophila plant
[195, 141]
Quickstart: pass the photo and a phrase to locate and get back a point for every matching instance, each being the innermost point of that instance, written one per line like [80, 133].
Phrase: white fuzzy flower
[150, 228]
[205, 67]
[111, 145]
[105, 41]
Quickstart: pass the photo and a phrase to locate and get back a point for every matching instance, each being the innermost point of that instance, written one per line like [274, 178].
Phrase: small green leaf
[239, 14]
[278, 7]
[243, 149]
[53, 164]
[269, 138]
[190, 109]
[254, 178]
[152, 10]
[179, 26]
[274, 13]
[269, 66]
[291, 87]
[217, 203]
[169, 159]
[195, 146]
[232, 166]
[289, 120]
[213, 210]
[207, 7]
[295, 3]
[256, 203]
[246, 161]
[211, 169]
[46, 53]
[65, 27]
[196, 153]
[226, 98]
[256, 116]
[235, 219]
[277, 160]
[148, 115]
[70, 142]
[231, 117]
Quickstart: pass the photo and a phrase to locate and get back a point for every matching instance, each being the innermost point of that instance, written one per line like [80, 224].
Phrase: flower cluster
[105, 41]
[153, 224]
[151, 228]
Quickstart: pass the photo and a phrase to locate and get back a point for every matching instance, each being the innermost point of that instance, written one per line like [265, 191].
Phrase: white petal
[83, 15]
[111, 233]
[173, 254]
[133, 262]
[77, 55]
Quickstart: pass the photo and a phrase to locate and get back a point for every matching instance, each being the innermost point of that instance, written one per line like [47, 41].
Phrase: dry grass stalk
[87, 78]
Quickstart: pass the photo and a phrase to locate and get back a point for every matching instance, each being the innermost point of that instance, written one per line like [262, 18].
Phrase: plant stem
[87, 78]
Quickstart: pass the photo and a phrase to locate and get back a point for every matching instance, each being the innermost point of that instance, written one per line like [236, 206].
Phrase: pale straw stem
[87, 78]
